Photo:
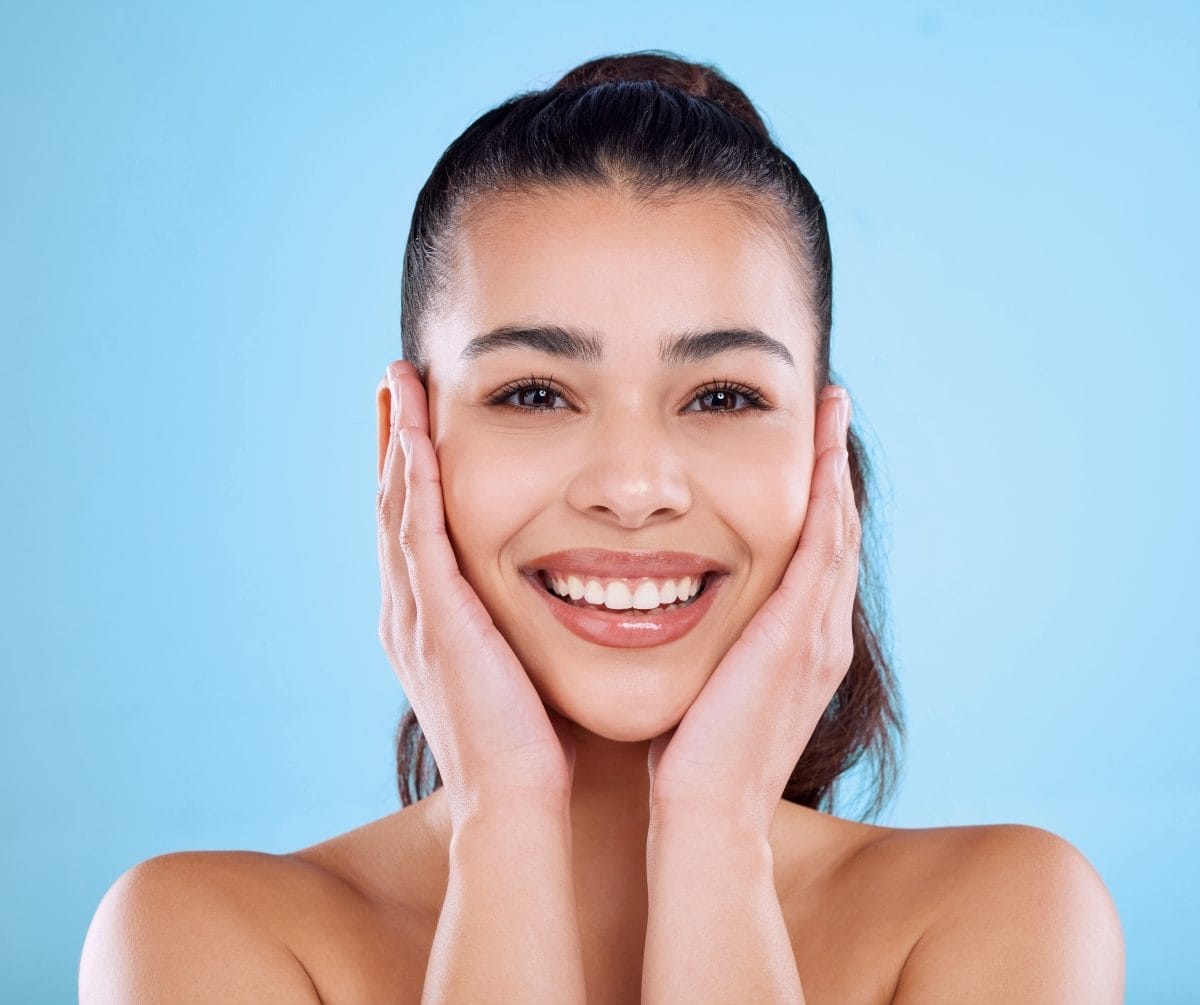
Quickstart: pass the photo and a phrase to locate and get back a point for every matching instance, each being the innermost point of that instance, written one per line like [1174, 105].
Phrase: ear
[383, 410]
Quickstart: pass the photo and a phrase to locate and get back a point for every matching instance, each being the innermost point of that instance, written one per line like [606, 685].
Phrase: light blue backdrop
[203, 220]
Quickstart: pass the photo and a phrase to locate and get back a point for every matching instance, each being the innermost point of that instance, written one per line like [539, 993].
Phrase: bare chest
[850, 943]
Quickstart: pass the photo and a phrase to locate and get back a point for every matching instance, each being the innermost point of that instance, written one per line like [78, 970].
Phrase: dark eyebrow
[694, 346]
[570, 343]
[585, 347]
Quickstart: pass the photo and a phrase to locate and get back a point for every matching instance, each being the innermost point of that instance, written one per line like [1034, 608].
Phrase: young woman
[620, 516]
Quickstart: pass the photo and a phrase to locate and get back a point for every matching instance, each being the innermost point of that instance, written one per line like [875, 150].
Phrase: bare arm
[715, 930]
[509, 928]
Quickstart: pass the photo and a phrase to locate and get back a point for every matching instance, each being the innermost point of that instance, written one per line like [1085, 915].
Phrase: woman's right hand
[493, 739]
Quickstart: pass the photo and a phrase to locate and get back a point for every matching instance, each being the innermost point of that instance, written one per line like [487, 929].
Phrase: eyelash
[755, 400]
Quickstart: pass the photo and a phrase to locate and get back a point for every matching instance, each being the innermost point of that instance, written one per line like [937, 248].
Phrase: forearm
[715, 930]
[509, 929]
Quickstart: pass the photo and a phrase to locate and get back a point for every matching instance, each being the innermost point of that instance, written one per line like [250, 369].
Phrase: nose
[631, 475]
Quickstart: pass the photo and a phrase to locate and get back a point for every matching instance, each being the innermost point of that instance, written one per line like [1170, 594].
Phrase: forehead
[632, 271]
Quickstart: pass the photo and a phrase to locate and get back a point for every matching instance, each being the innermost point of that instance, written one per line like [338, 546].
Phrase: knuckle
[409, 538]
[387, 637]
[834, 553]
[812, 649]
[854, 531]
[838, 654]
[385, 507]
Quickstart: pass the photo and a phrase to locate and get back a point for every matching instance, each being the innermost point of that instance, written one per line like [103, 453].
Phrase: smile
[600, 593]
[624, 618]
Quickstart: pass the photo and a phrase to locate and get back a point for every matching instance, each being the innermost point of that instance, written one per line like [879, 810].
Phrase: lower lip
[629, 629]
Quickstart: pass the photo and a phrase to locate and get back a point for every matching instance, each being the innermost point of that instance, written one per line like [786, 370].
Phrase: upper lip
[625, 564]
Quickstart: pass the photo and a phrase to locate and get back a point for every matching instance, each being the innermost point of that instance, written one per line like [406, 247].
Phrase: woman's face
[622, 447]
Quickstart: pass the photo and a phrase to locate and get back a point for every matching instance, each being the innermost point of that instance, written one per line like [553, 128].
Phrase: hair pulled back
[658, 127]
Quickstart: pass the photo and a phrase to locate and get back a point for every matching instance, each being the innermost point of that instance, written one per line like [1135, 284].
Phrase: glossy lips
[628, 628]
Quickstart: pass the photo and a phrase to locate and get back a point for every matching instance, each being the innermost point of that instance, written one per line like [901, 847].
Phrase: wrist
[708, 821]
[511, 823]
[703, 833]
[503, 809]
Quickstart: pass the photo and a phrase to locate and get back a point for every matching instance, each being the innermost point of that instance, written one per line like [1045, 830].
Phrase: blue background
[204, 214]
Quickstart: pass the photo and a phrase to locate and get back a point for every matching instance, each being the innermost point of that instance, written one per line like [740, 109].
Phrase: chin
[630, 712]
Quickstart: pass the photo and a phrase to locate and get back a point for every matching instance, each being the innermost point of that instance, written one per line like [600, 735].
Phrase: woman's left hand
[733, 751]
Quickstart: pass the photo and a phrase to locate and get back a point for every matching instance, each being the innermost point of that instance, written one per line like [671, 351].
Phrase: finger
[390, 507]
[410, 393]
[841, 611]
[827, 433]
[422, 535]
[401, 402]
[811, 576]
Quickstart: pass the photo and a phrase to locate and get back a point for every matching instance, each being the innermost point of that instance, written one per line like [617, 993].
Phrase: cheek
[490, 491]
[762, 495]
[474, 503]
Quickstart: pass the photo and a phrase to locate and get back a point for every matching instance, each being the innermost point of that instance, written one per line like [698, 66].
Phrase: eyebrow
[692, 346]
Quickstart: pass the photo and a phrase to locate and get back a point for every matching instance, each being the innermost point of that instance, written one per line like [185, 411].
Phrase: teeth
[645, 597]
[624, 594]
[617, 597]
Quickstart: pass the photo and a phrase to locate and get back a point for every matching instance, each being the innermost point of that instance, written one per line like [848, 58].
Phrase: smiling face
[621, 449]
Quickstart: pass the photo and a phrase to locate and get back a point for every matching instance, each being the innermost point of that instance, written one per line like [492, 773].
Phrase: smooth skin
[714, 781]
[610, 826]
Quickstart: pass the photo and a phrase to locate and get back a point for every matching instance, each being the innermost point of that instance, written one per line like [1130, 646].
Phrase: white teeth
[645, 597]
[617, 596]
[622, 594]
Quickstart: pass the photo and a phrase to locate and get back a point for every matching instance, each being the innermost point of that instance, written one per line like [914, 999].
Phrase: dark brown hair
[657, 126]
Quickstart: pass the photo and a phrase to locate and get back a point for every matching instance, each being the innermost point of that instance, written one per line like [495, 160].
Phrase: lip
[585, 562]
[630, 629]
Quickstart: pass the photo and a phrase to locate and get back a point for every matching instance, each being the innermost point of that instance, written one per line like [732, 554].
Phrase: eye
[532, 394]
[723, 395]
[538, 394]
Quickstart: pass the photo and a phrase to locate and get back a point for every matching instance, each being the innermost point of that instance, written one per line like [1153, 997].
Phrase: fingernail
[405, 441]
[844, 417]
[832, 391]
[839, 463]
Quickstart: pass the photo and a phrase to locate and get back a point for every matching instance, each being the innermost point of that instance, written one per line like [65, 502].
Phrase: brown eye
[722, 401]
[528, 396]
[724, 396]
[534, 397]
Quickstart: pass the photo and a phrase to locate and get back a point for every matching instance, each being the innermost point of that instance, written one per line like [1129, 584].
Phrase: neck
[610, 802]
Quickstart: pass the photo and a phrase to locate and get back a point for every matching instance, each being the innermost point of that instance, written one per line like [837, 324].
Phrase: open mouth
[626, 597]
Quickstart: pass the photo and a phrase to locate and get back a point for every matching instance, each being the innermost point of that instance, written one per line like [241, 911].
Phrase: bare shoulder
[1010, 913]
[236, 926]
[188, 925]
[947, 914]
